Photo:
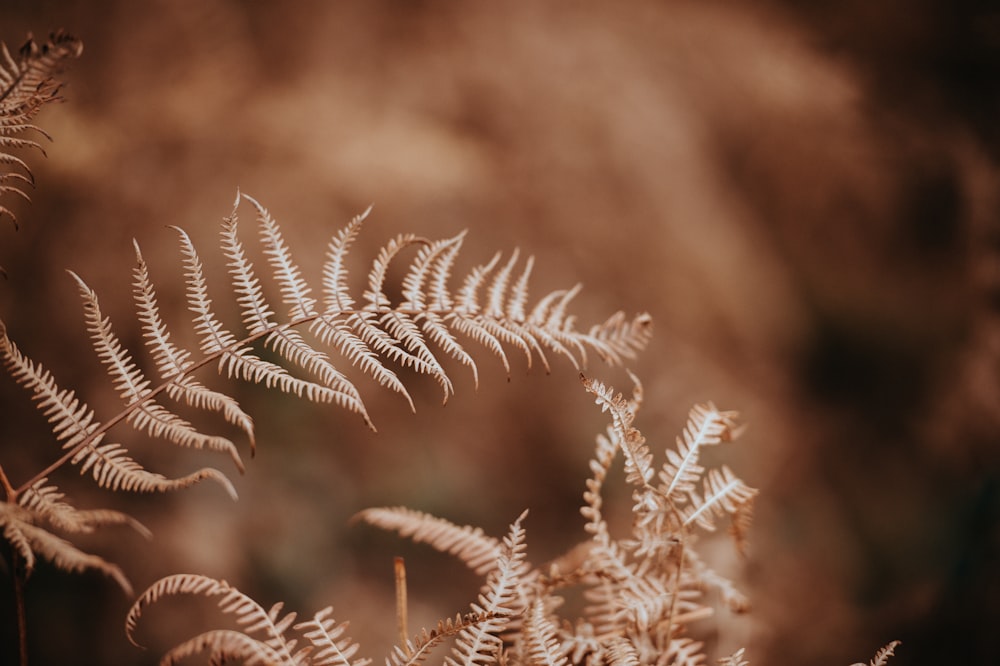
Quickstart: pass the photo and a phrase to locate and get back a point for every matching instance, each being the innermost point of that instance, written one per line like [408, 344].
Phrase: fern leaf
[133, 386]
[736, 659]
[247, 612]
[34, 541]
[224, 646]
[333, 647]
[724, 494]
[112, 468]
[46, 502]
[173, 362]
[638, 459]
[234, 357]
[415, 652]
[706, 426]
[12, 518]
[336, 295]
[72, 420]
[471, 545]
[26, 85]
[621, 652]
[881, 657]
[481, 644]
[541, 643]
[686, 652]
[342, 335]
[294, 290]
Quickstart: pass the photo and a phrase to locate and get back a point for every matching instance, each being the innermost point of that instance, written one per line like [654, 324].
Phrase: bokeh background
[805, 198]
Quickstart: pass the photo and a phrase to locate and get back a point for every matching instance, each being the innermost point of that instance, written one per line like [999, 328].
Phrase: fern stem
[7, 487]
[401, 614]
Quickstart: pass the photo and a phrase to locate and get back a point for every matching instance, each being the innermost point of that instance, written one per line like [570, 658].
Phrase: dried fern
[27, 83]
[642, 595]
[645, 591]
[310, 343]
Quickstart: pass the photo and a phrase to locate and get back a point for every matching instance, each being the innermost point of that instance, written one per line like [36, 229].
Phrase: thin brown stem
[401, 614]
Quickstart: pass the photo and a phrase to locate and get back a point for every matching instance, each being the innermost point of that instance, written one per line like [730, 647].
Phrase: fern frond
[881, 657]
[471, 545]
[416, 651]
[336, 294]
[621, 652]
[224, 646]
[735, 659]
[724, 494]
[27, 84]
[706, 426]
[638, 459]
[247, 613]
[294, 290]
[113, 468]
[46, 503]
[72, 420]
[31, 542]
[328, 637]
[541, 644]
[481, 644]
[133, 387]
[173, 362]
[685, 652]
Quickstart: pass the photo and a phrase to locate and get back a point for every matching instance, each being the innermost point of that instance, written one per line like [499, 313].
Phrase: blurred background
[804, 196]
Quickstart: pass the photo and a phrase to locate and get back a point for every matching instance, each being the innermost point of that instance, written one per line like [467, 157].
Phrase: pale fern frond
[247, 613]
[724, 494]
[881, 657]
[706, 426]
[46, 503]
[72, 420]
[416, 651]
[471, 545]
[333, 647]
[336, 294]
[294, 291]
[173, 362]
[32, 542]
[541, 644]
[481, 644]
[114, 469]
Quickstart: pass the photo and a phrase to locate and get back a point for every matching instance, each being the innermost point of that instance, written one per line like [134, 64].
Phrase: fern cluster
[645, 593]
[642, 591]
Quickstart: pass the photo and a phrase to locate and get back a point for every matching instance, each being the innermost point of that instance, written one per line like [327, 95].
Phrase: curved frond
[38, 542]
[247, 612]
[113, 468]
[471, 545]
[46, 502]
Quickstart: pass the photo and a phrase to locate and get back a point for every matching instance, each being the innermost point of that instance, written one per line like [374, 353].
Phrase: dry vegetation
[805, 202]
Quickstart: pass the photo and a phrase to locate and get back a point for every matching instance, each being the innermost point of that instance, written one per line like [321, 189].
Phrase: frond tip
[27, 83]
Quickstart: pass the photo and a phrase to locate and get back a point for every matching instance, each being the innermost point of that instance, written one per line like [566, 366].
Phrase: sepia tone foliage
[803, 197]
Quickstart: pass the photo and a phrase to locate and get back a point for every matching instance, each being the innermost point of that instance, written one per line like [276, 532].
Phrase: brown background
[806, 201]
